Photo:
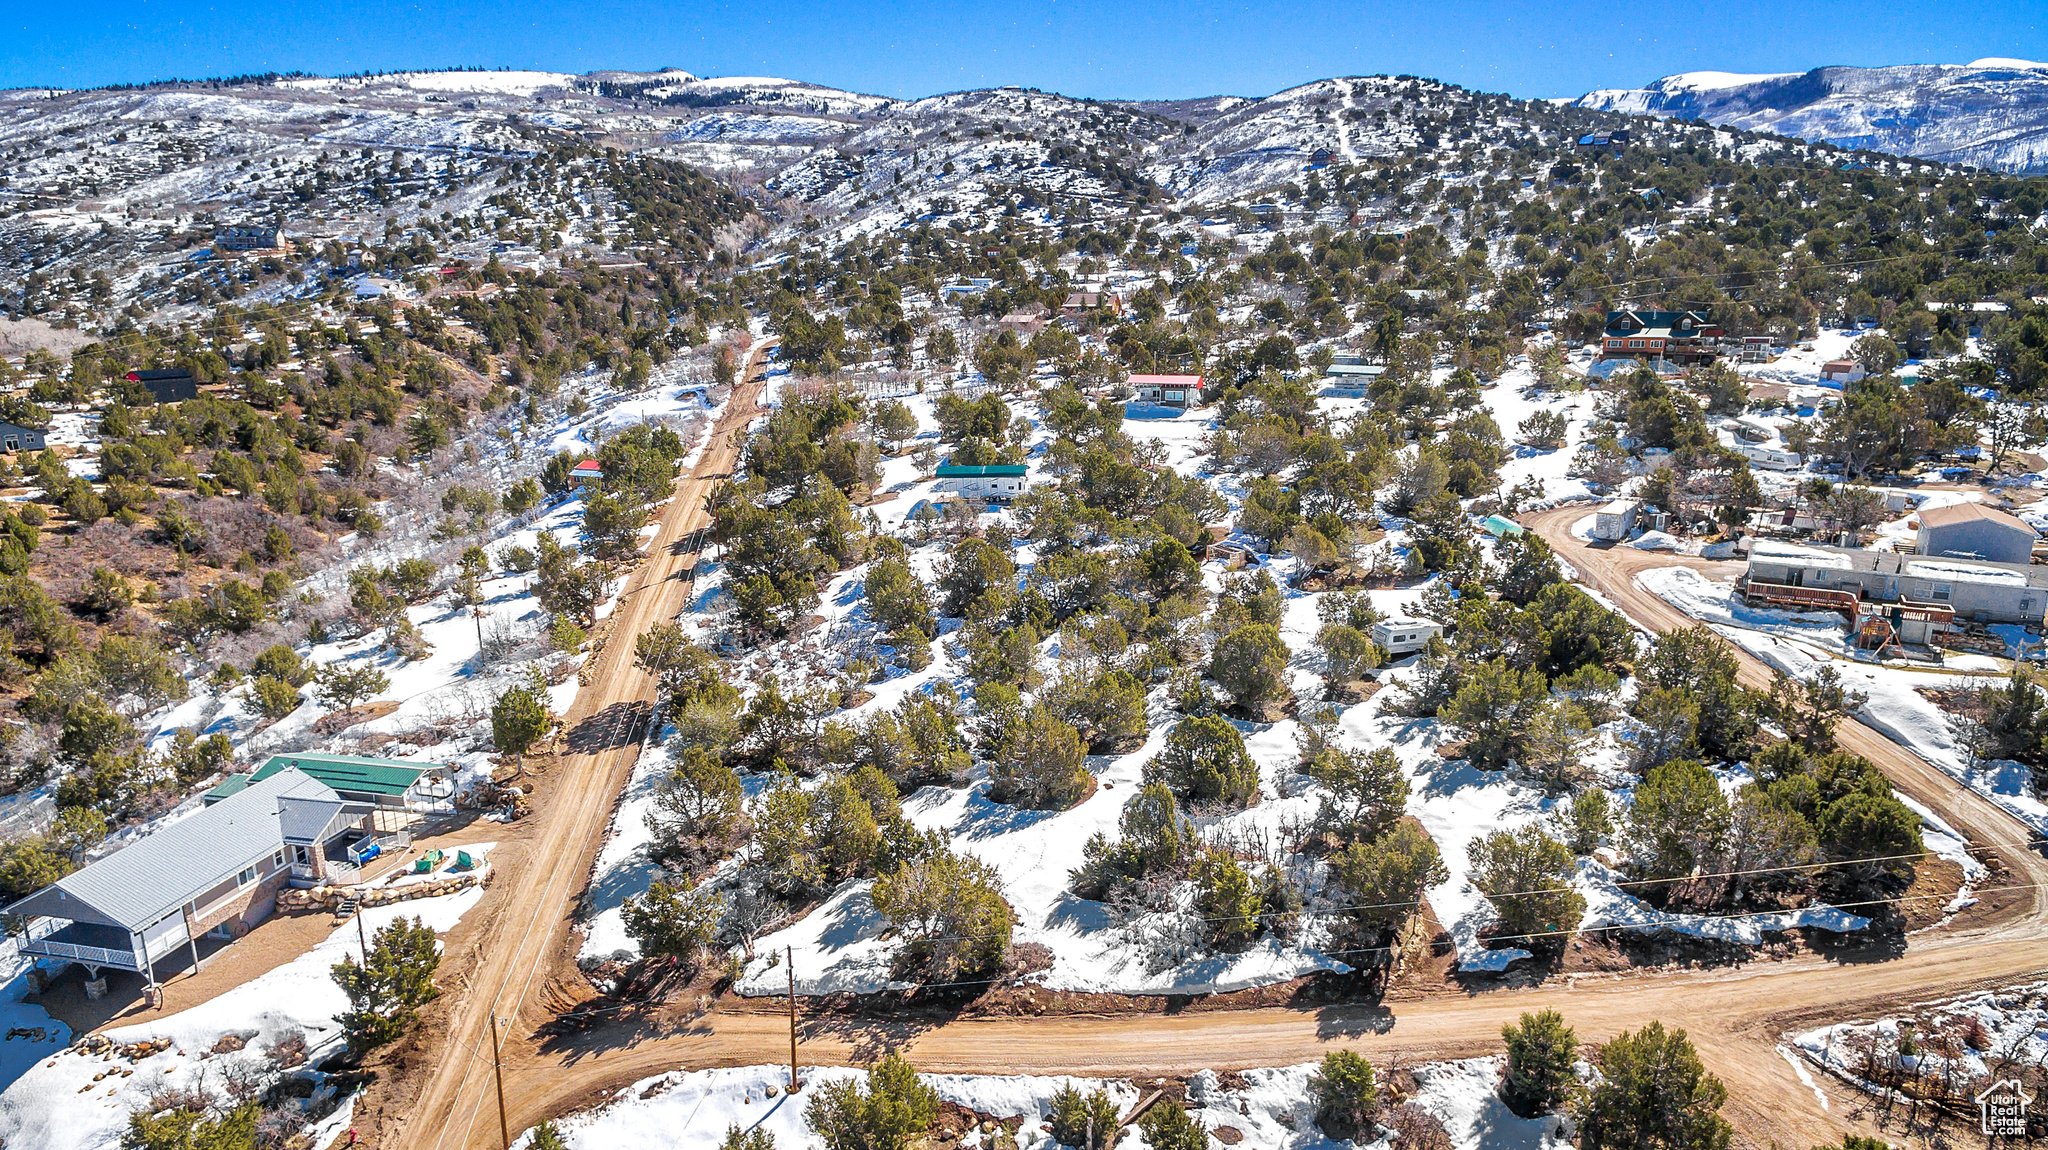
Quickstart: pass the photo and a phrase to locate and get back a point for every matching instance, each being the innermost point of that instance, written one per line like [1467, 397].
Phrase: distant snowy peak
[1991, 112]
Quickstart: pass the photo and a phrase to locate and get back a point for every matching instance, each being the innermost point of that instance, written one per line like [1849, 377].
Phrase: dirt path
[1734, 1015]
[524, 939]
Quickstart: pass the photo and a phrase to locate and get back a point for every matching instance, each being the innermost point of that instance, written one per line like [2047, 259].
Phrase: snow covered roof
[138, 886]
[1967, 572]
[1806, 556]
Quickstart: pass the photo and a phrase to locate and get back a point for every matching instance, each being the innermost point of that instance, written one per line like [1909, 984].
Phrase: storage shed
[1974, 531]
[1612, 523]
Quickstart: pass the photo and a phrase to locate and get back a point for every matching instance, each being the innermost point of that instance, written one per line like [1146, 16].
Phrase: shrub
[1251, 664]
[1345, 1097]
[1527, 875]
[891, 1111]
[1541, 1051]
[1082, 1121]
[1204, 762]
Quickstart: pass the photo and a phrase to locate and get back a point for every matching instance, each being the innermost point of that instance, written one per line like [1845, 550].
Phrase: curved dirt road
[1735, 1015]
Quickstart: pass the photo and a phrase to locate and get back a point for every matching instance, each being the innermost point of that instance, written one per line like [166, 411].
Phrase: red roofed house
[1167, 390]
[586, 473]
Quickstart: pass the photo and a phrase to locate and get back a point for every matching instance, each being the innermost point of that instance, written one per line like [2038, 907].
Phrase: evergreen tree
[1527, 876]
[1204, 762]
[1655, 1093]
[385, 993]
[1345, 1096]
[1541, 1054]
[892, 1110]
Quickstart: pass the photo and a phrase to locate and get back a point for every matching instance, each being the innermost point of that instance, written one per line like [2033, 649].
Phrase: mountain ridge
[1989, 113]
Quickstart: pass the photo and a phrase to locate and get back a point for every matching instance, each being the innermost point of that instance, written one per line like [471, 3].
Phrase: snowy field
[1269, 1112]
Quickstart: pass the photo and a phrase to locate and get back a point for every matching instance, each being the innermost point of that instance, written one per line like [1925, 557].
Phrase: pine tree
[1345, 1096]
[1541, 1054]
[1655, 1093]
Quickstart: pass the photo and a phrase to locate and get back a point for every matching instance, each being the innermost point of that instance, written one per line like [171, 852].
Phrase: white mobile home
[1402, 636]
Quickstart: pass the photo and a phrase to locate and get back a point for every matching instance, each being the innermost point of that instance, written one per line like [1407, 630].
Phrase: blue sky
[1104, 48]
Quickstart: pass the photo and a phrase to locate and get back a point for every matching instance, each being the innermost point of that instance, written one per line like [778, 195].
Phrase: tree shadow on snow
[982, 819]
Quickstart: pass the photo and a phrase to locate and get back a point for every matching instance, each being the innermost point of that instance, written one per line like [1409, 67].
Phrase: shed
[586, 473]
[1842, 370]
[1612, 523]
[1974, 531]
[1401, 635]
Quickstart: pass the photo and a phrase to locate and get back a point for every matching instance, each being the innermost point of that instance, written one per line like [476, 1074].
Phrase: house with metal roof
[388, 784]
[995, 481]
[215, 872]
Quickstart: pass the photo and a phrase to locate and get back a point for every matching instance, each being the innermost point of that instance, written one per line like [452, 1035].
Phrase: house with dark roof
[1678, 336]
[166, 384]
[215, 872]
[246, 238]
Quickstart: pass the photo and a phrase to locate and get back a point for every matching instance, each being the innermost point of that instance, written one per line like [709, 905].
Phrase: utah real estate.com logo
[2002, 1109]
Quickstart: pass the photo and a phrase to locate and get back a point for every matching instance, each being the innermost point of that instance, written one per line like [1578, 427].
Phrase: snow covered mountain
[1991, 113]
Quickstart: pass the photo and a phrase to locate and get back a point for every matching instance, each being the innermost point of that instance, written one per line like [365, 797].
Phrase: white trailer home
[1402, 636]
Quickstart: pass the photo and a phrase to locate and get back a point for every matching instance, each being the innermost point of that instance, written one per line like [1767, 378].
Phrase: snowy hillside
[1991, 113]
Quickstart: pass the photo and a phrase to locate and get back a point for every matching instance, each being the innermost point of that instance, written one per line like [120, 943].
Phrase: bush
[1541, 1051]
[1345, 1097]
[1527, 875]
[1655, 1093]
[1417, 1129]
[892, 1111]
[1204, 763]
[1168, 1127]
[1250, 664]
[951, 909]
[385, 994]
[674, 924]
[1043, 766]
[1082, 1121]
[1152, 837]
[1385, 878]
[274, 697]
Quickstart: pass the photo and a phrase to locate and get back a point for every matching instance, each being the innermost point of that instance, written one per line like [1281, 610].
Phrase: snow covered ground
[58, 1104]
[1987, 1035]
[1270, 1111]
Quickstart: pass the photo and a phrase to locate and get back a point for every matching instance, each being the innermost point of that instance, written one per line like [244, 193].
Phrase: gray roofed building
[215, 871]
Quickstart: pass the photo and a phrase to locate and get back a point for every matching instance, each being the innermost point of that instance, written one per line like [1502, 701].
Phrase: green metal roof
[949, 471]
[351, 772]
[232, 785]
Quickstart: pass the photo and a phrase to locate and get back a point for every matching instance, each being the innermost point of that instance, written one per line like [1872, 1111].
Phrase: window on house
[1939, 592]
[247, 876]
[301, 855]
[1635, 343]
[277, 860]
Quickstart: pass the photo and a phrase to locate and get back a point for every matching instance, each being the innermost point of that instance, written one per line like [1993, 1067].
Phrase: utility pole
[794, 1085]
[498, 1073]
[362, 936]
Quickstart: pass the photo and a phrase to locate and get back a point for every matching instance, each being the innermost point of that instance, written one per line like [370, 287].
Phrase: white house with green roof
[999, 482]
[400, 786]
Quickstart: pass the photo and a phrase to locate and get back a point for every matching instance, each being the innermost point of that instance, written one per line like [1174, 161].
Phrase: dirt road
[1735, 1015]
[525, 938]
